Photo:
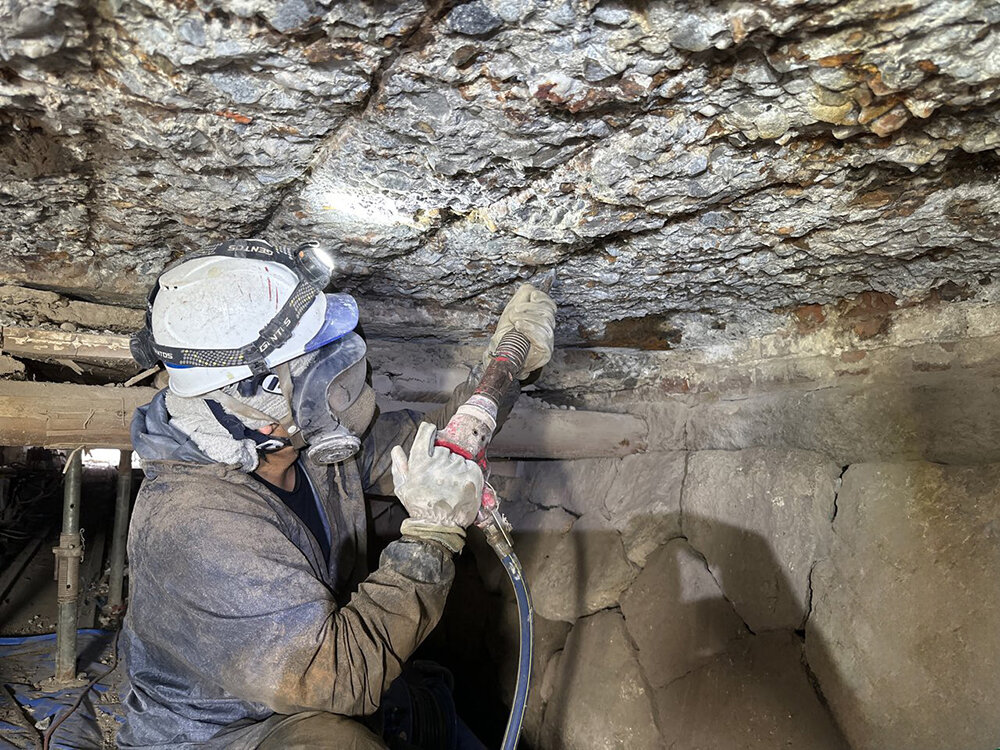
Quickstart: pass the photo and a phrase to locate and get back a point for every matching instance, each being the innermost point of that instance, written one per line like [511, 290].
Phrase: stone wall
[805, 566]
[671, 590]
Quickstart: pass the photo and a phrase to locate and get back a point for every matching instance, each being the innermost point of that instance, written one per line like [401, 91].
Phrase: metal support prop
[120, 534]
[68, 554]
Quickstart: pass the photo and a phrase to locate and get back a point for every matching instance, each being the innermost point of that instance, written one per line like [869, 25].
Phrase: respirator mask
[326, 403]
[331, 401]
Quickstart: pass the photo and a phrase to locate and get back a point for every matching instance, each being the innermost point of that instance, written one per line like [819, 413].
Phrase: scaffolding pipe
[119, 535]
[68, 554]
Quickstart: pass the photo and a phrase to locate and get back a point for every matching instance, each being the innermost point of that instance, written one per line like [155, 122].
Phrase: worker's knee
[316, 729]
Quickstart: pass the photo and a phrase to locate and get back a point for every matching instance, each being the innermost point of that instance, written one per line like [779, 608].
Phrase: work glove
[532, 313]
[439, 489]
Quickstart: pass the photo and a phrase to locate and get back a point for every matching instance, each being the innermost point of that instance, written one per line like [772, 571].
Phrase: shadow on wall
[645, 650]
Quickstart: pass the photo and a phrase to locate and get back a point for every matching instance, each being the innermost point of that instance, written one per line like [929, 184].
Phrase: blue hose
[527, 634]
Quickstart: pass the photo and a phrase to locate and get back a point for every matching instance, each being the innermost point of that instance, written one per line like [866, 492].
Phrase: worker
[253, 621]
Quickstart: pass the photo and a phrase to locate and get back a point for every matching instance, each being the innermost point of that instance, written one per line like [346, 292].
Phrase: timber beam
[46, 345]
[63, 415]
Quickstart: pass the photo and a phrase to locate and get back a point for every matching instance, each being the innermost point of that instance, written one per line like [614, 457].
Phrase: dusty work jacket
[234, 615]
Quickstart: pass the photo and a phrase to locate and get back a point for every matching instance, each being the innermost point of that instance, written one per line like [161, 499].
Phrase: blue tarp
[26, 662]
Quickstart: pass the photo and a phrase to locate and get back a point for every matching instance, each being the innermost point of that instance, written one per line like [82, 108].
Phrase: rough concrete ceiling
[688, 168]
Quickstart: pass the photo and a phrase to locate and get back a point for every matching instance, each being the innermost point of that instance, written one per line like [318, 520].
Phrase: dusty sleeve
[399, 427]
[242, 608]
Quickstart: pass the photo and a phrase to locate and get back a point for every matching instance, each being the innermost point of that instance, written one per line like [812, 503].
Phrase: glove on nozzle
[532, 313]
[440, 490]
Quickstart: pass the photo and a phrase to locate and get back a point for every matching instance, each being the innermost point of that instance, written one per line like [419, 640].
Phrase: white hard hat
[247, 307]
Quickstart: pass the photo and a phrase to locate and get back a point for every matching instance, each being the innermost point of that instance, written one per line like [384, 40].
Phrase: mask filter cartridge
[332, 402]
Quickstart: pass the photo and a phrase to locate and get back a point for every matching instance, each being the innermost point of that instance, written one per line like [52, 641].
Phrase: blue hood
[155, 439]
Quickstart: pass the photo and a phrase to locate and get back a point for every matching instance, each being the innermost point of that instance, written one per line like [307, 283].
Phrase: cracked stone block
[600, 699]
[637, 495]
[644, 501]
[667, 419]
[574, 567]
[677, 615]
[754, 696]
[579, 486]
[761, 518]
[902, 637]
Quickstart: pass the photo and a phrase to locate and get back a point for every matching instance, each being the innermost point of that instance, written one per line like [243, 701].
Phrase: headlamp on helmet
[239, 310]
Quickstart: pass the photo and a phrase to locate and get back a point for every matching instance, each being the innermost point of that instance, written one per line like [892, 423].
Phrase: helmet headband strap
[236, 406]
[284, 373]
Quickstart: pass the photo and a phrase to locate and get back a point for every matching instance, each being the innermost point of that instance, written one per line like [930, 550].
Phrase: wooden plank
[60, 415]
[37, 343]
